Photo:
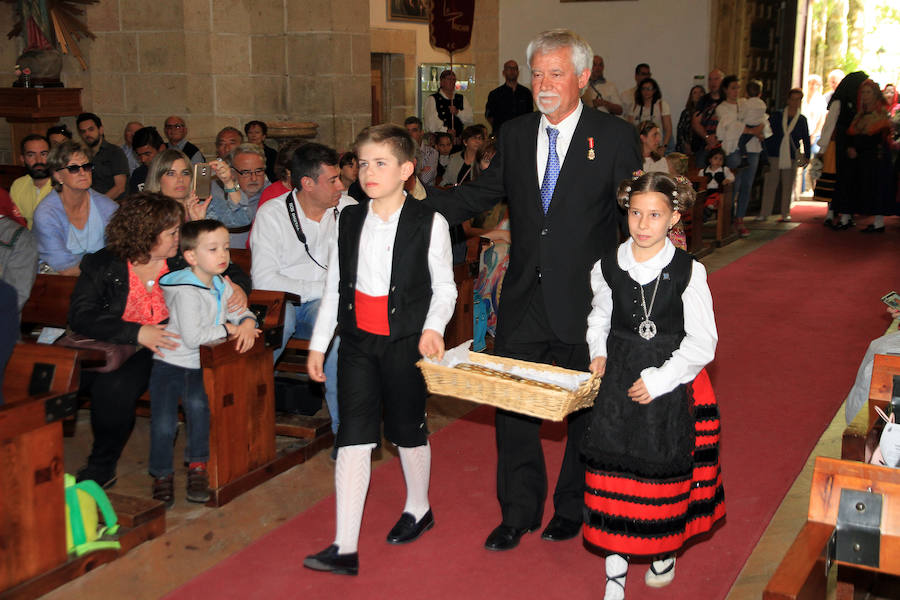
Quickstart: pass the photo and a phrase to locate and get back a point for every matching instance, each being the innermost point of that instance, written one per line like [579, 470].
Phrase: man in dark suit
[560, 171]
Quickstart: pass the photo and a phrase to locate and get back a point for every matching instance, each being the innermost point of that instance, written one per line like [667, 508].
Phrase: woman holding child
[730, 129]
[117, 300]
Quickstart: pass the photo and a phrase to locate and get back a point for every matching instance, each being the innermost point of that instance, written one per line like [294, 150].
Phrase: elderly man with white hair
[559, 169]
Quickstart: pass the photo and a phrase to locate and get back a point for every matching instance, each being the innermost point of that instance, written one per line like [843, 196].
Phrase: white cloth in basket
[460, 355]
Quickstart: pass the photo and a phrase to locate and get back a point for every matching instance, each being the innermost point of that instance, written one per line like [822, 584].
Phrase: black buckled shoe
[329, 560]
[560, 528]
[505, 537]
[407, 529]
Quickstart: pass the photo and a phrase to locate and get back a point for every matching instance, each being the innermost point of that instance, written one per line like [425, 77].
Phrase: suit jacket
[580, 226]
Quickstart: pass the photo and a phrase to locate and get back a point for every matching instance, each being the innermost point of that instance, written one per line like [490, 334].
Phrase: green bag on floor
[82, 527]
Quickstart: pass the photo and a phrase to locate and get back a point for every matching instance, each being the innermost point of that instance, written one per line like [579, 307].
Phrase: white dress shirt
[279, 260]
[698, 347]
[566, 131]
[373, 274]
[434, 123]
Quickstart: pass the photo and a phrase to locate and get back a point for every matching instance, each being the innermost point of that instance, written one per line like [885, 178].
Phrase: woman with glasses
[71, 220]
[649, 106]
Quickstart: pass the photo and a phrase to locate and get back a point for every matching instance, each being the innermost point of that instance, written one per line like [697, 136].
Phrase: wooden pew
[40, 391]
[240, 388]
[802, 574]
[724, 233]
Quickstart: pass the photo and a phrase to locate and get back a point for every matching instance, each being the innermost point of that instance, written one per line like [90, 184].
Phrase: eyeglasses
[174, 126]
[648, 88]
[248, 172]
[73, 169]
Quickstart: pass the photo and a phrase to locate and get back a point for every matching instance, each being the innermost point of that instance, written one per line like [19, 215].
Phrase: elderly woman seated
[70, 221]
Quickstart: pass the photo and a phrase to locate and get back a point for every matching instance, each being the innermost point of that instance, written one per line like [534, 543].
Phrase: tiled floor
[198, 537]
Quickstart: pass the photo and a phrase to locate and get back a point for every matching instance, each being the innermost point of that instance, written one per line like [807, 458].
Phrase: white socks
[416, 464]
[879, 221]
[845, 219]
[616, 569]
[352, 471]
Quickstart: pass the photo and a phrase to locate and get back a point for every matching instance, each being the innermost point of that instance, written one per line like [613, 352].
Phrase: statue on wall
[48, 27]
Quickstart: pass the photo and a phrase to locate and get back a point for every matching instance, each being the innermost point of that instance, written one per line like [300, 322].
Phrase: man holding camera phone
[235, 197]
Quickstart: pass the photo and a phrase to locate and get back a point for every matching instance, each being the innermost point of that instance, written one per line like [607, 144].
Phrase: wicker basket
[516, 396]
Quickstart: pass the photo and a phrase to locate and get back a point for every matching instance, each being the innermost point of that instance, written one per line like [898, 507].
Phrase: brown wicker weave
[520, 397]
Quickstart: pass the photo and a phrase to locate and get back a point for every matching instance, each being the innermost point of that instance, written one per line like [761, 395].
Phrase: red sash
[372, 313]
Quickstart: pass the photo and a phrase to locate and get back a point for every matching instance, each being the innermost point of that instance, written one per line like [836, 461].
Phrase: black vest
[443, 110]
[191, 150]
[409, 295]
[667, 312]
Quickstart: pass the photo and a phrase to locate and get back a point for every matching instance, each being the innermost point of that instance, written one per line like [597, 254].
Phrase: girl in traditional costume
[653, 477]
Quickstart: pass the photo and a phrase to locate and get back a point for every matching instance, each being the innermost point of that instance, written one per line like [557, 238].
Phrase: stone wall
[225, 62]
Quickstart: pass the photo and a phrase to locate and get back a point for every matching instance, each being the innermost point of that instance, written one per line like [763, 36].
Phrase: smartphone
[892, 299]
[202, 178]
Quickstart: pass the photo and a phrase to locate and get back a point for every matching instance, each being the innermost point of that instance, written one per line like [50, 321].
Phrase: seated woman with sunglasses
[71, 220]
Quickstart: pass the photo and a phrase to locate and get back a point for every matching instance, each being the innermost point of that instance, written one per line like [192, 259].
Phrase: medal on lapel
[591, 155]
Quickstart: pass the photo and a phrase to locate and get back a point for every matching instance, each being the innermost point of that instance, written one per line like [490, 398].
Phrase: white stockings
[352, 471]
[416, 464]
[616, 570]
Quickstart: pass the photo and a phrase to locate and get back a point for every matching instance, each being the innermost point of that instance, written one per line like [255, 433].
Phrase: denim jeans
[168, 383]
[743, 180]
[299, 320]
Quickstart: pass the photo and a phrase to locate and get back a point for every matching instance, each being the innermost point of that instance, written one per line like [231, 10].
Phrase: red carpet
[794, 318]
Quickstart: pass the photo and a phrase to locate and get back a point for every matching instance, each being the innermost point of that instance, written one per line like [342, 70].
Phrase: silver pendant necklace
[647, 328]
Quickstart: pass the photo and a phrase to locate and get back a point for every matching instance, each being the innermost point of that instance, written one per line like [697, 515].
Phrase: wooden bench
[40, 391]
[240, 388]
[802, 573]
[724, 232]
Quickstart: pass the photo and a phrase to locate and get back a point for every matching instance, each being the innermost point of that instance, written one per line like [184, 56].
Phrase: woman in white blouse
[649, 106]
[651, 151]
[731, 126]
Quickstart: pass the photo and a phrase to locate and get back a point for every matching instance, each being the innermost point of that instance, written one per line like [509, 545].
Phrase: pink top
[147, 307]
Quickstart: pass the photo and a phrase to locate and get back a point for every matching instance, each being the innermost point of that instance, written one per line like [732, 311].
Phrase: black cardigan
[101, 292]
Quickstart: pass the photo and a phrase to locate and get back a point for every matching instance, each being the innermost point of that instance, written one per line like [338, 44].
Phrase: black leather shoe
[406, 529]
[560, 528]
[505, 537]
[873, 229]
[329, 560]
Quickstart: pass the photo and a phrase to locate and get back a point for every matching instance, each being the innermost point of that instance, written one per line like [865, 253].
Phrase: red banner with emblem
[450, 24]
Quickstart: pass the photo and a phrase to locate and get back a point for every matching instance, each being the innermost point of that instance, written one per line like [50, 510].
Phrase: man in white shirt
[445, 110]
[426, 156]
[601, 93]
[289, 242]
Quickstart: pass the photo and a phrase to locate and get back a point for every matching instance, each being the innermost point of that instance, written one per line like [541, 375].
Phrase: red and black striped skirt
[636, 516]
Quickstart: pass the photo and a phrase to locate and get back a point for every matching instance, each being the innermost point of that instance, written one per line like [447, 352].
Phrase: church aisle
[208, 536]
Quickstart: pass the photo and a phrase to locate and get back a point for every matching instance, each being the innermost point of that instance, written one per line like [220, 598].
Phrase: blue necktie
[551, 173]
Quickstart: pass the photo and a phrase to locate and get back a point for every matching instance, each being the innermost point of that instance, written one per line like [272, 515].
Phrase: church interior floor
[198, 537]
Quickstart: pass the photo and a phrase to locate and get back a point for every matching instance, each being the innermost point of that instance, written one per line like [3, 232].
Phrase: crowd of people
[366, 240]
